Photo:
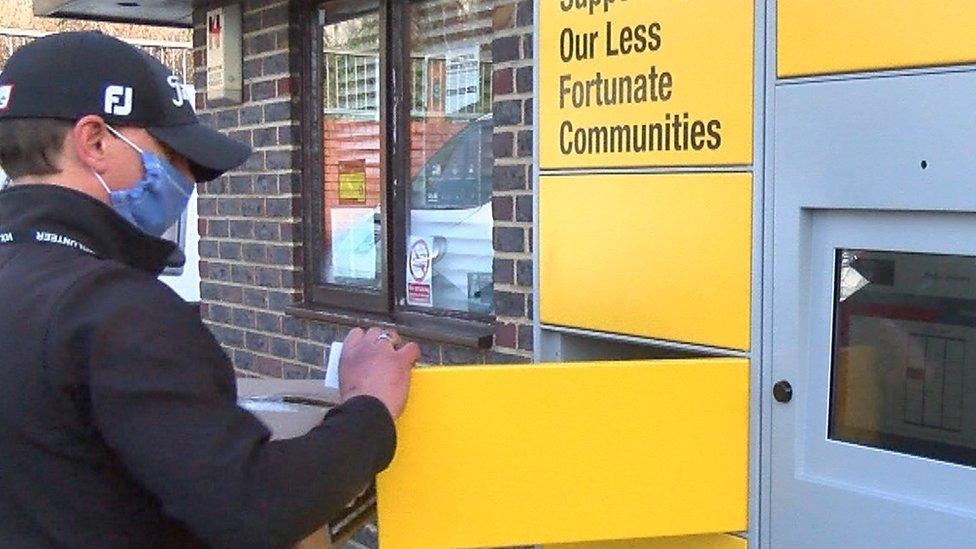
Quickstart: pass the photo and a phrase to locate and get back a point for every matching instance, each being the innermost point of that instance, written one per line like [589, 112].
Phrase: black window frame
[387, 305]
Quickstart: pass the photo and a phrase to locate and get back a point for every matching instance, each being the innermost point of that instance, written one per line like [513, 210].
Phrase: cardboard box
[291, 408]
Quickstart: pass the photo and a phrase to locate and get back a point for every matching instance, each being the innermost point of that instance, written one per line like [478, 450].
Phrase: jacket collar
[76, 215]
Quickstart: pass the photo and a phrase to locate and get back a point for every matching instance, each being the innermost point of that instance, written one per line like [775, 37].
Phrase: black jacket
[119, 425]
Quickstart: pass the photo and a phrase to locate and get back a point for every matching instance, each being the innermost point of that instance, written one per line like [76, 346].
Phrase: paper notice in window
[353, 249]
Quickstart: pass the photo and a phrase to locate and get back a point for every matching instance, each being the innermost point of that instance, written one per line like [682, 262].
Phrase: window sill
[453, 331]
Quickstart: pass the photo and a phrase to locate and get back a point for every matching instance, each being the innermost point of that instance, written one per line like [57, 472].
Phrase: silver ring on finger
[384, 336]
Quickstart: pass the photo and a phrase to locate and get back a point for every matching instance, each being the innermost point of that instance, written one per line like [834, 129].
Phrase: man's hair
[31, 146]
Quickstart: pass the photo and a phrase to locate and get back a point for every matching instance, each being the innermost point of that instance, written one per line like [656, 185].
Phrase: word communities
[677, 132]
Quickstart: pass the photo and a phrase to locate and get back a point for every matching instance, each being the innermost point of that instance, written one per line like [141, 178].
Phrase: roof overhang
[172, 13]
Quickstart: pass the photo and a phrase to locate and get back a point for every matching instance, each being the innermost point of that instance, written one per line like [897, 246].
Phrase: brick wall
[250, 220]
[512, 58]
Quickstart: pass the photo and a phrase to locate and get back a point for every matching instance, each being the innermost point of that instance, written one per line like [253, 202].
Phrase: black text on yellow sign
[634, 83]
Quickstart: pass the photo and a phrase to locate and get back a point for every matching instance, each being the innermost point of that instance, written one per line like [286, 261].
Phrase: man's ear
[89, 137]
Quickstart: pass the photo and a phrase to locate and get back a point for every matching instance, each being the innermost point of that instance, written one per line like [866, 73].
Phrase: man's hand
[375, 363]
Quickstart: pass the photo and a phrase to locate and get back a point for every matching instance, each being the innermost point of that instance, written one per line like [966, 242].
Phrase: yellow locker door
[563, 453]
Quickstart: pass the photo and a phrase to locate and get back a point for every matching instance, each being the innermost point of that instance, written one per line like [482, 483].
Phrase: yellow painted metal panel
[660, 256]
[508, 455]
[693, 59]
[838, 36]
[709, 541]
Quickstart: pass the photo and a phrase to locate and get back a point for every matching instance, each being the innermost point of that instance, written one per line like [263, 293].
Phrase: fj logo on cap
[179, 88]
[5, 92]
[118, 100]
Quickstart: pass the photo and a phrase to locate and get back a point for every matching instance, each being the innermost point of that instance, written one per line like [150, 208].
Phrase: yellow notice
[352, 180]
[631, 83]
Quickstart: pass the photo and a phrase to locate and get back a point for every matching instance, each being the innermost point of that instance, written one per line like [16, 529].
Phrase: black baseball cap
[74, 74]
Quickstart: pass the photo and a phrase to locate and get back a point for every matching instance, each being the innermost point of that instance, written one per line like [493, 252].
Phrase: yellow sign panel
[658, 256]
[495, 456]
[838, 36]
[352, 180]
[632, 83]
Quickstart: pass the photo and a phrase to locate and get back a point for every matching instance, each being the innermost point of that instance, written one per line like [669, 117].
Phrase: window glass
[352, 192]
[904, 355]
[449, 241]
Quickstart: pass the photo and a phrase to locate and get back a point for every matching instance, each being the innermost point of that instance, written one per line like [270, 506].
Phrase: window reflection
[904, 362]
[451, 153]
[352, 201]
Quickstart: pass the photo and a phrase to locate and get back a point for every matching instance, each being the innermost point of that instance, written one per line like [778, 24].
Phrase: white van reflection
[450, 203]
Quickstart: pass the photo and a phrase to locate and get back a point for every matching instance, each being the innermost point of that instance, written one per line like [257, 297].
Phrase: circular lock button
[783, 391]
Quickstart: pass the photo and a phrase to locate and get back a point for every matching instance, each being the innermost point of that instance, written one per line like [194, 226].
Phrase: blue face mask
[155, 202]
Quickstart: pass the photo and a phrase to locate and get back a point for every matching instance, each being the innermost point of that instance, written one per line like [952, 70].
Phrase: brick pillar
[512, 197]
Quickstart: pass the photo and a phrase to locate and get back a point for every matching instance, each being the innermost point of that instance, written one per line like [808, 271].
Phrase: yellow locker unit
[645, 231]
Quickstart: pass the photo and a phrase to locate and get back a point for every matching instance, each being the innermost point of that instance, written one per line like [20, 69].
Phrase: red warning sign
[419, 261]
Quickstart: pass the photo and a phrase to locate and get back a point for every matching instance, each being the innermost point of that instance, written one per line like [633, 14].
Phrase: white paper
[353, 250]
[463, 75]
[257, 405]
[332, 369]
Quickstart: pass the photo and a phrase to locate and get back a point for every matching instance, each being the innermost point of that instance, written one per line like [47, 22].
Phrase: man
[118, 418]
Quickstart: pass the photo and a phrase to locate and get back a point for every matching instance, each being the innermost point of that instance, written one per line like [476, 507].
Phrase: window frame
[316, 292]
[388, 303]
